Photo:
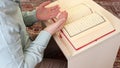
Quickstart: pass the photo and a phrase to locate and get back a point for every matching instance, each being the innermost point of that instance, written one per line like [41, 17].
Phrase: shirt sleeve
[34, 53]
[12, 53]
[29, 17]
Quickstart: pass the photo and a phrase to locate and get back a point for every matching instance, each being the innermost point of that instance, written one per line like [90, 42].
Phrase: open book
[85, 25]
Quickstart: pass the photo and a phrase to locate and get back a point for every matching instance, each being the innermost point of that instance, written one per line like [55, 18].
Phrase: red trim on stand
[87, 43]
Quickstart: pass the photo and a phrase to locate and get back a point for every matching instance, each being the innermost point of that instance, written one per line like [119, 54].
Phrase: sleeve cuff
[43, 38]
[34, 15]
[29, 17]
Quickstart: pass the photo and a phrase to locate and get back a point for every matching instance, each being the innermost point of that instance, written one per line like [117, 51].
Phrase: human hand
[43, 13]
[54, 27]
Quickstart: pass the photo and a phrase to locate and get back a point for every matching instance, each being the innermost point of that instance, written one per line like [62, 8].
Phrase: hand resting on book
[54, 27]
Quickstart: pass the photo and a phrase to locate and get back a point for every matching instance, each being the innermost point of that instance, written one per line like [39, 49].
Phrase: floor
[111, 5]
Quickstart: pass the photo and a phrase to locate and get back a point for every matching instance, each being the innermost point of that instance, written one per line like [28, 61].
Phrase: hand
[43, 13]
[54, 27]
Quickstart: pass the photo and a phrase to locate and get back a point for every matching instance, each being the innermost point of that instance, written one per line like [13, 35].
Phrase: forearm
[34, 53]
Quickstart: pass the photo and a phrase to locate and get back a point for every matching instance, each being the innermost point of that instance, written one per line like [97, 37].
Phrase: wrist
[49, 31]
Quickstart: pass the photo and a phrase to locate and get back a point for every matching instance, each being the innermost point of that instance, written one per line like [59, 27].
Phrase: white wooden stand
[103, 54]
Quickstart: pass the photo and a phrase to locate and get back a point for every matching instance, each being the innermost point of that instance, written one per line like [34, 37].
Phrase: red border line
[89, 42]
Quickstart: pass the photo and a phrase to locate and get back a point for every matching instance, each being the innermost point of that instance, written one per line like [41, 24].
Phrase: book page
[94, 35]
[83, 24]
[74, 14]
[66, 4]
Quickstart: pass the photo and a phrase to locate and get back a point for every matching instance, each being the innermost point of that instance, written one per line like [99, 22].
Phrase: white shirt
[16, 49]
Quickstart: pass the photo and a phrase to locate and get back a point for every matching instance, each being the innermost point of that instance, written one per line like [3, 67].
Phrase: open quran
[84, 26]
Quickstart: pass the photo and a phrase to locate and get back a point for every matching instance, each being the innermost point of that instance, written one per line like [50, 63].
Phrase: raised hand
[43, 13]
[54, 27]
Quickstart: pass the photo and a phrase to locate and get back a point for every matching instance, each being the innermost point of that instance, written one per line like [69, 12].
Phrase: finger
[60, 22]
[62, 25]
[63, 14]
[44, 4]
[54, 14]
[54, 10]
[58, 15]
[56, 7]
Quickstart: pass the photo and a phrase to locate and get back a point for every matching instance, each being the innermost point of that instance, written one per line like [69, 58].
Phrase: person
[16, 49]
